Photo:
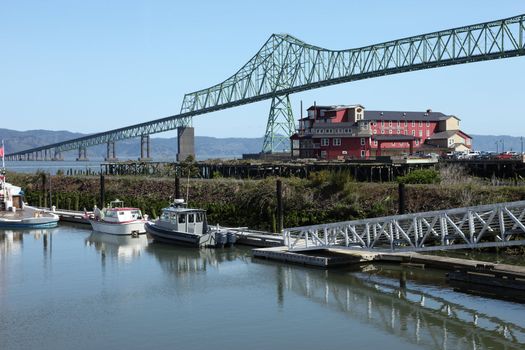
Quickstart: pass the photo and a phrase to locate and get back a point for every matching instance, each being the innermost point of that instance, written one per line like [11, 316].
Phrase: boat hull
[21, 224]
[213, 238]
[28, 218]
[124, 229]
[168, 236]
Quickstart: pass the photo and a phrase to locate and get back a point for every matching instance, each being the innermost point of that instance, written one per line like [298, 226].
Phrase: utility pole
[521, 139]
[497, 146]
[502, 146]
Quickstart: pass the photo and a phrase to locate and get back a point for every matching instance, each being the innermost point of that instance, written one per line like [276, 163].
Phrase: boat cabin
[181, 219]
[118, 213]
[122, 214]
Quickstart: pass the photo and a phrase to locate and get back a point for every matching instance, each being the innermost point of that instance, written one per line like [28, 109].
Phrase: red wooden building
[349, 132]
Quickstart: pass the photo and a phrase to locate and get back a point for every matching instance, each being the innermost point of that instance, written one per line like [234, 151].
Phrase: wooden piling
[177, 187]
[401, 199]
[102, 191]
[279, 190]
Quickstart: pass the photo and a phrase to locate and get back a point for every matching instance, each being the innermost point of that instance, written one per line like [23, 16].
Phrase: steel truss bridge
[494, 225]
[286, 65]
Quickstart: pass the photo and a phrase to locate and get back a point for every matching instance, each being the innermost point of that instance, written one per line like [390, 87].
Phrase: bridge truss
[286, 65]
[494, 225]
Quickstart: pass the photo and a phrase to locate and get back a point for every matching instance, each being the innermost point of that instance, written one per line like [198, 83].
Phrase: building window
[420, 133]
[398, 131]
[323, 154]
[325, 142]
[374, 123]
[413, 123]
[413, 132]
[390, 131]
[382, 123]
[398, 123]
[375, 143]
[336, 141]
[375, 131]
[428, 133]
[321, 131]
[390, 123]
[450, 142]
[428, 123]
[363, 153]
[363, 141]
[417, 142]
[382, 131]
[406, 123]
[420, 123]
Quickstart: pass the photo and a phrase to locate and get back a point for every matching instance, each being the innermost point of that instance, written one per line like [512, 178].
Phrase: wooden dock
[77, 217]
[501, 281]
[258, 238]
[318, 258]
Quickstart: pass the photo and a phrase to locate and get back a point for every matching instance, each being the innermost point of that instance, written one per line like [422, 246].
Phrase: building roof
[446, 134]
[395, 137]
[335, 107]
[397, 115]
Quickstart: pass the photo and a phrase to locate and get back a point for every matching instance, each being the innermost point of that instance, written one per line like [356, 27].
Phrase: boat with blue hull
[186, 226]
[15, 214]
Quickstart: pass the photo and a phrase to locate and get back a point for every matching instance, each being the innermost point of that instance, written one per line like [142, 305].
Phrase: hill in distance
[205, 147]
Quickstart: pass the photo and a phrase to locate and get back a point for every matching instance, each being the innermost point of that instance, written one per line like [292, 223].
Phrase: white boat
[15, 214]
[181, 225]
[119, 220]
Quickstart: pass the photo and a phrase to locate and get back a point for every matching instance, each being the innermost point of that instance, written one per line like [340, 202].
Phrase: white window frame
[336, 141]
[363, 153]
[325, 142]
[363, 141]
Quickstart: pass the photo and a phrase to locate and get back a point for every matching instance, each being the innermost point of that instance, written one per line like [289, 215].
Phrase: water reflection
[12, 241]
[180, 260]
[120, 248]
[415, 313]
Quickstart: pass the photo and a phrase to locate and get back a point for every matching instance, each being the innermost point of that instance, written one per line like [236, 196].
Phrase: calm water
[53, 167]
[69, 288]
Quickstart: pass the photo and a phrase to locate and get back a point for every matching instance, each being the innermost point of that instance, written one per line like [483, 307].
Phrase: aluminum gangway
[493, 225]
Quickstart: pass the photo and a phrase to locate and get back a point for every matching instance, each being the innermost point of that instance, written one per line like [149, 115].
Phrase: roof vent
[382, 113]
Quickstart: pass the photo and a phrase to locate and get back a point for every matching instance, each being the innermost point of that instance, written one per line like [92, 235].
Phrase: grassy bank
[324, 197]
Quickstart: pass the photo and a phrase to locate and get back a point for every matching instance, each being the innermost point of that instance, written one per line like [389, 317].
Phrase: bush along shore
[323, 197]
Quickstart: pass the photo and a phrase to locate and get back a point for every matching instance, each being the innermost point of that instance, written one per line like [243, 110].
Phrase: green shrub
[420, 176]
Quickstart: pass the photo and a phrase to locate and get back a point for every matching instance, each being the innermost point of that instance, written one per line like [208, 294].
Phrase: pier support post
[144, 148]
[110, 152]
[401, 200]
[82, 154]
[58, 155]
[185, 142]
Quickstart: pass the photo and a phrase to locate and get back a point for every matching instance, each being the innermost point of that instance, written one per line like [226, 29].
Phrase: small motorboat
[181, 225]
[118, 220]
[15, 214]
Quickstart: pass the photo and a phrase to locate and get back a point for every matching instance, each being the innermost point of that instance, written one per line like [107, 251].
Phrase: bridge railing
[493, 225]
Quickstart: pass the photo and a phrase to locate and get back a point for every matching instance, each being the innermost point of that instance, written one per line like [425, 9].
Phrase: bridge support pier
[57, 156]
[82, 154]
[144, 148]
[185, 142]
[280, 127]
[110, 152]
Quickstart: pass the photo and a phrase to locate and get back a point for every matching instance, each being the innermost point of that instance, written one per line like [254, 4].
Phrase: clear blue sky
[91, 66]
